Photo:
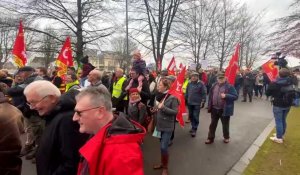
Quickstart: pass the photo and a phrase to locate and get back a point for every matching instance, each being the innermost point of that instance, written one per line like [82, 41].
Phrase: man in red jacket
[115, 147]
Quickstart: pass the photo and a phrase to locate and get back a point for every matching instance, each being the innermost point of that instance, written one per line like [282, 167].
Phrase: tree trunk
[79, 44]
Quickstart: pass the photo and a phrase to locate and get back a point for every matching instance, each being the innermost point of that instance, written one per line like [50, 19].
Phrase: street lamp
[127, 48]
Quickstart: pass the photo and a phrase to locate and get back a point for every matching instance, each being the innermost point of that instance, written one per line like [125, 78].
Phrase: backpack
[290, 96]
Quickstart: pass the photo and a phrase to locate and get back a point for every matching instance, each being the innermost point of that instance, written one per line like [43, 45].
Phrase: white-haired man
[58, 149]
[115, 147]
[119, 95]
[94, 77]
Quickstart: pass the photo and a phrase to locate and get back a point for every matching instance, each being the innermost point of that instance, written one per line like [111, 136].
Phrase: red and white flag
[270, 69]
[19, 49]
[172, 67]
[233, 66]
[176, 90]
[64, 58]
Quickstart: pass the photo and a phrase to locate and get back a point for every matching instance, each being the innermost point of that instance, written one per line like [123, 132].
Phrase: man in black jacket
[33, 123]
[58, 149]
[133, 82]
[248, 85]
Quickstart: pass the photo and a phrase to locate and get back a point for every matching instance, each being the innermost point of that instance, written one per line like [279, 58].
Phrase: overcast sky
[274, 8]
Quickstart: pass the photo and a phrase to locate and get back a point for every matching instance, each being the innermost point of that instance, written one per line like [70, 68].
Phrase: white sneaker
[276, 140]
[275, 135]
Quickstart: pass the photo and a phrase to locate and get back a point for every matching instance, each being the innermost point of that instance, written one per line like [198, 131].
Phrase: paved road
[190, 156]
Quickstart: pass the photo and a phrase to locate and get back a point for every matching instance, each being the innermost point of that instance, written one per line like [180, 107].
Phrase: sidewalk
[279, 159]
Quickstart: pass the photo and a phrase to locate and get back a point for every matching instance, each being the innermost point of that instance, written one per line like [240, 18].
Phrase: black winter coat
[19, 98]
[274, 91]
[58, 150]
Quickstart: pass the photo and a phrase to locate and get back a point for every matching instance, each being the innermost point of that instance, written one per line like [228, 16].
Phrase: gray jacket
[167, 114]
[195, 93]
[137, 113]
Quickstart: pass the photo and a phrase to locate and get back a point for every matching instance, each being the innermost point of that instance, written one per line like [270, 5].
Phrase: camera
[280, 60]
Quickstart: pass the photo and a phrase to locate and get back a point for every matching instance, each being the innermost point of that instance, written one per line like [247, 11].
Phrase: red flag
[19, 50]
[270, 69]
[64, 58]
[176, 90]
[172, 67]
[158, 64]
[233, 67]
[180, 66]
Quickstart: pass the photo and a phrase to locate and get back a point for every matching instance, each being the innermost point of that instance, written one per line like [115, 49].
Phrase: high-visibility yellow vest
[117, 88]
[186, 82]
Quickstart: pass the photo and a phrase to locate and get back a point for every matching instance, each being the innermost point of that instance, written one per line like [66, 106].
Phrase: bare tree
[154, 24]
[194, 28]
[119, 46]
[49, 47]
[225, 31]
[8, 32]
[80, 17]
[286, 38]
[251, 37]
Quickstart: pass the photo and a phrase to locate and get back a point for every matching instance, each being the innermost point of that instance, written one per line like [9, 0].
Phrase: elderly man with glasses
[114, 148]
[58, 149]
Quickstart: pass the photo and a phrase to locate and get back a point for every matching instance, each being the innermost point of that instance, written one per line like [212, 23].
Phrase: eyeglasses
[79, 113]
[31, 105]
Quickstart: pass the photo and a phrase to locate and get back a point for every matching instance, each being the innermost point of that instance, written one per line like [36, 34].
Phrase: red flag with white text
[64, 58]
[19, 49]
[233, 66]
[176, 90]
[172, 67]
[270, 69]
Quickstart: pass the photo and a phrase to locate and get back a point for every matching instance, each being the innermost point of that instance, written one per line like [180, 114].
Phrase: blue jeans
[164, 141]
[280, 115]
[237, 88]
[194, 112]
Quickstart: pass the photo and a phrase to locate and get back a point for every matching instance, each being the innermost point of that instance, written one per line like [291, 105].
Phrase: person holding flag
[220, 104]
[166, 112]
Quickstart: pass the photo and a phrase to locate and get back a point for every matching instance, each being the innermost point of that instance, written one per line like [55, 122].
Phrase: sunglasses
[79, 113]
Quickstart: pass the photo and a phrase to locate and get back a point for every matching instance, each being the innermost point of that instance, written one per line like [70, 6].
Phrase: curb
[239, 167]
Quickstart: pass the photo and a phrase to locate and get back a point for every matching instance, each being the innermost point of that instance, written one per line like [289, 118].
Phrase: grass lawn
[279, 159]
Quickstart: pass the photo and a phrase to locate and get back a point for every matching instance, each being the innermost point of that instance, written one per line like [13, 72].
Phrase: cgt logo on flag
[270, 69]
[64, 58]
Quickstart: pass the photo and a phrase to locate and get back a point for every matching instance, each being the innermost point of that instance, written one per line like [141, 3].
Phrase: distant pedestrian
[248, 85]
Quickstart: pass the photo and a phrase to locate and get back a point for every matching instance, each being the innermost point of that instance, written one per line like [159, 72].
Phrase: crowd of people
[90, 122]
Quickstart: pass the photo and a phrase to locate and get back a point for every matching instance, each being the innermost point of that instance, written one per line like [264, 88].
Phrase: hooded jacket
[274, 91]
[58, 149]
[114, 150]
